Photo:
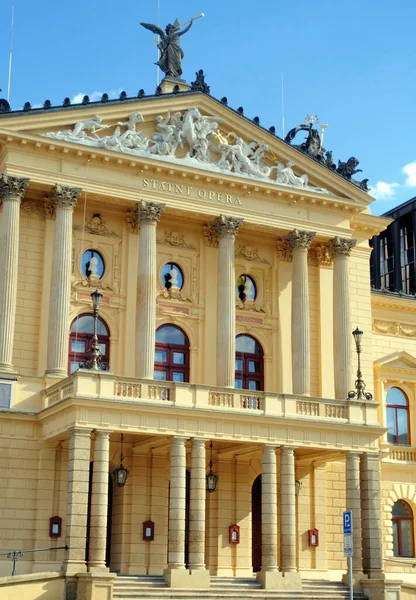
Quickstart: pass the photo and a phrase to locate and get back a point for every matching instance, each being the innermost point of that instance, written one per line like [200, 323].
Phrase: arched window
[402, 521]
[171, 354]
[81, 337]
[248, 363]
[397, 406]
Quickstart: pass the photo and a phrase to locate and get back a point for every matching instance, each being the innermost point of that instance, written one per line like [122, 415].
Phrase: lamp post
[95, 362]
[120, 473]
[211, 478]
[359, 393]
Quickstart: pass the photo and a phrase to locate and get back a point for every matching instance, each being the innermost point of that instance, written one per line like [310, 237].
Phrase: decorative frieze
[394, 328]
[175, 239]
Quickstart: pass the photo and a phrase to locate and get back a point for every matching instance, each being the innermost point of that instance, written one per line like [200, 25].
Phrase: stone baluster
[287, 510]
[269, 509]
[12, 190]
[299, 242]
[226, 229]
[354, 504]
[197, 506]
[372, 538]
[148, 215]
[64, 200]
[340, 249]
[177, 499]
[77, 499]
[99, 502]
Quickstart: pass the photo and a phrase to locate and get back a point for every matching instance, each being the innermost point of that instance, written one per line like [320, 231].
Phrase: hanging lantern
[120, 474]
[212, 479]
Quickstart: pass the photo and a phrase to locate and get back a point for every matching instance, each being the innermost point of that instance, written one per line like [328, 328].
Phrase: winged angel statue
[171, 53]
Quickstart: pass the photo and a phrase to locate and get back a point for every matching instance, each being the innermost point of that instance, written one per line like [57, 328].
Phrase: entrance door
[256, 524]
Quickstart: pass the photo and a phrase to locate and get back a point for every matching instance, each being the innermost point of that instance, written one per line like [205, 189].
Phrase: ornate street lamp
[95, 361]
[120, 473]
[359, 393]
[212, 479]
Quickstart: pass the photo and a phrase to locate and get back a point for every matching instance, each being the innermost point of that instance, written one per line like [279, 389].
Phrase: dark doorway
[109, 518]
[256, 524]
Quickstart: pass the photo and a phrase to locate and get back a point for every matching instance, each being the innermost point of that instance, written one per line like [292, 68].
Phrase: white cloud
[385, 191]
[77, 99]
[410, 171]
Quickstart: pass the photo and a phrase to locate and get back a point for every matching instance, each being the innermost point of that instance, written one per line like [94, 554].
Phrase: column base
[380, 589]
[7, 369]
[56, 373]
[357, 578]
[73, 567]
[91, 586]
[98, 569]
[274, 580]
[185, 578]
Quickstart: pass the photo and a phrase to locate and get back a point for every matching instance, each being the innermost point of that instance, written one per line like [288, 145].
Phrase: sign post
[348, 546]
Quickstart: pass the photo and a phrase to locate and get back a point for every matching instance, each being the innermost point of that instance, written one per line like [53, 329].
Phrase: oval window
[92, 264]
[246, 288]
[172, 277]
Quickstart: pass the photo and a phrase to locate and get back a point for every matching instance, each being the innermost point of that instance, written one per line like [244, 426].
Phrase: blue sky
[353, 62]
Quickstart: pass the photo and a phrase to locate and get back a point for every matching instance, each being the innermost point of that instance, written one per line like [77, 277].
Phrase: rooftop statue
[171, 53]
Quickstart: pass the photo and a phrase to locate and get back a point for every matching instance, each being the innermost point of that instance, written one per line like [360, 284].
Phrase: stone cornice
[385, 301]
[369, 224]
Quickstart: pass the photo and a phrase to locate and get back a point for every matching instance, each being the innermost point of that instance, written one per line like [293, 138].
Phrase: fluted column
[226, 229]
[269, 509]
[64, 200]
[287, 510]
[12, 190]
[77, 499]
[340, 249]
[99, 502]
[354, 504]
[148, 217]
[299, 242]
[371, 515]
[197, 506]
[177, 498]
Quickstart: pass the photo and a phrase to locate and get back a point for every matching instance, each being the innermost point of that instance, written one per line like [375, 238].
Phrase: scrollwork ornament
[65, 197]
[226, 226]
[210, 236]
[300, 239]
[341, 246]
[149, 212]
[250, 253]
[12, 188]
[175, 239]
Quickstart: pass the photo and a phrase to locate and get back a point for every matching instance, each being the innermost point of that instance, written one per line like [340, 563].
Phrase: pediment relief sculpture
[197, 135]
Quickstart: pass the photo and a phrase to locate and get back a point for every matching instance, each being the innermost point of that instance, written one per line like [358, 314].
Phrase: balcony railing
[86, 384]
[402, 453]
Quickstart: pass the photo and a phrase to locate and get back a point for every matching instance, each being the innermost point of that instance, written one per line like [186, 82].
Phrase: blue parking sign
[347, 520]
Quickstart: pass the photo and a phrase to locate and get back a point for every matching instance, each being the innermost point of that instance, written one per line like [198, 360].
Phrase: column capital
[298, 239]
[102, 433]
[179, 440]
[79, 431]
[12, 188]
[341, 246]
[198, 441]
[226, 226]
[287, 450]
[270, 447]
[149, 212]
[65, 197]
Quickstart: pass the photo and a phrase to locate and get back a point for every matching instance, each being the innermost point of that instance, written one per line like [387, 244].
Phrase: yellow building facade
[232, 269]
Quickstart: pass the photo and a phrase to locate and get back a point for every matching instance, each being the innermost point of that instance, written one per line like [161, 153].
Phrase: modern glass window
[402, 522]
[407, 254]
[92, 264]
[248, 364]
[246, 288]
[171, 354]
[397, 407]
[386, 262]
[172, 276]
[81, 338]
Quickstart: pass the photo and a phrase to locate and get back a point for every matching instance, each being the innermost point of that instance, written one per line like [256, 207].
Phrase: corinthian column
[12, 190]
[299, 242]
[226, 229]
[341, 249]
[64, 200]
[148, 214]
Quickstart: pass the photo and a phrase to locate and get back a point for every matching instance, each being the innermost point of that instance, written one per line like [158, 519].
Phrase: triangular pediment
[188, 129]
[397, 360]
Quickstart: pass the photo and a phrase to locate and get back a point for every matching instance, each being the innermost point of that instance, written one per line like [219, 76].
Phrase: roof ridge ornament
[312, 146]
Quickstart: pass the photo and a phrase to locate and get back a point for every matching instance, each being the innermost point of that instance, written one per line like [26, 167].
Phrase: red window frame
[87, 338]
[169, 365]
[244, 374]
[398, 519]
[396, 408]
